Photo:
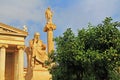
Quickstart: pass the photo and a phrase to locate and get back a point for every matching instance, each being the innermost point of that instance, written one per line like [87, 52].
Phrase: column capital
[49, 27]
[4, 45]
[21, 47]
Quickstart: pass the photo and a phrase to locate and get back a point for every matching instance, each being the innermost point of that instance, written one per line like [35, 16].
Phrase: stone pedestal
[38, 73]
[41, 75]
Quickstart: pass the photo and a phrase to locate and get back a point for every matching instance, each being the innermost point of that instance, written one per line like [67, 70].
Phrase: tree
[94, 54]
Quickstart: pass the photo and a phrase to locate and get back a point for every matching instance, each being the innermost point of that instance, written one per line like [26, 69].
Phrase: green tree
[94, 54]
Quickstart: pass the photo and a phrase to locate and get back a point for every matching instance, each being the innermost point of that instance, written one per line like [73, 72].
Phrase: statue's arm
[43, 47]
[31, 45]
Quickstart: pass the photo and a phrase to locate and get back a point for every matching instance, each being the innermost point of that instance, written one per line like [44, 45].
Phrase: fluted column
[16, 66]
[20, 62]
[2, 60]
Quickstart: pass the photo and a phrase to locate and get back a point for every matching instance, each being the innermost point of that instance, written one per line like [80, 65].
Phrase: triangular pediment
[9, 30]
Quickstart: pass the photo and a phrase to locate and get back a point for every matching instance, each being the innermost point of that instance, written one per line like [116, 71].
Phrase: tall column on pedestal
[49, 27]
[20, 62]
[2, 60]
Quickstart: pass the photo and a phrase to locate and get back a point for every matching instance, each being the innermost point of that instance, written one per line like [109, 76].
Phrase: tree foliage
[93, 54]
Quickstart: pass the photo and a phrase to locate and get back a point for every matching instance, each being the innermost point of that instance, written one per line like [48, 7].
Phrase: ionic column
[2, 60]
[16, 66]
[20, 62]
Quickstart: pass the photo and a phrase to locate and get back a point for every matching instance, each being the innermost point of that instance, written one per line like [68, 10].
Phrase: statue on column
[48, 15]
[37, 52]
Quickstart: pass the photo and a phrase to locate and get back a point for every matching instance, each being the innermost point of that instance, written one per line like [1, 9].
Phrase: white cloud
[21, 10]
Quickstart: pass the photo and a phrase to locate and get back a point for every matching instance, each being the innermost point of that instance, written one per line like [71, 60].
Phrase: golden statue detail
[37, 52]
[49, 28]
[48, 15]
[36, 57]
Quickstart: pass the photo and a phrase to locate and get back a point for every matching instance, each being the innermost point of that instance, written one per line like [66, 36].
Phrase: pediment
[9, 30]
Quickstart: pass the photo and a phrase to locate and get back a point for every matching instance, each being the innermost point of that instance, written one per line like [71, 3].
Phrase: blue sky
[75, 14]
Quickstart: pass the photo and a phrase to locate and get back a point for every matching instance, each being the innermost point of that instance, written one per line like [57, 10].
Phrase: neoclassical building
[12, 44]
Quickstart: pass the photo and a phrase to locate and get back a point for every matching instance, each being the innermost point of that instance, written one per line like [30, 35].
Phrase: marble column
[20, 62]
[49, 27]
[16, 66]
[50, 42]
[2, 60]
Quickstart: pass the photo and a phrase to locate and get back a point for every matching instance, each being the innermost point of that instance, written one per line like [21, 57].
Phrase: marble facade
[12, 44]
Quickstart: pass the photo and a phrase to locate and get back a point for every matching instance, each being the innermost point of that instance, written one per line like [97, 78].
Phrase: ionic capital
[3, 45]
[21, 47]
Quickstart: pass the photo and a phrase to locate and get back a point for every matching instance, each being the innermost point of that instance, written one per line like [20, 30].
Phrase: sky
[74, 14]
